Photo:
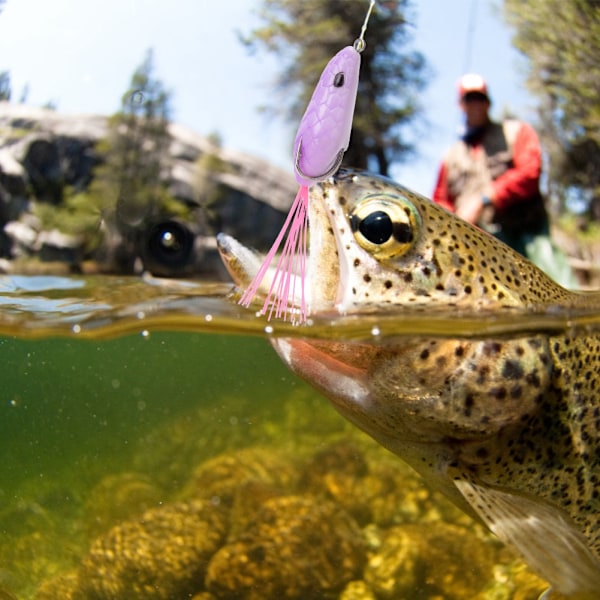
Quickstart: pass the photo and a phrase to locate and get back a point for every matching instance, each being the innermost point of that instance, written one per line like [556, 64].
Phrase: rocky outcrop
[42, 153]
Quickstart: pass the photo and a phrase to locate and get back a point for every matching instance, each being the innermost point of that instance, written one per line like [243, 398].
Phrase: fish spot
[387, 284]
[482, 453]
[512, 369]
[516, 392]
[533, 380]
[498, 393]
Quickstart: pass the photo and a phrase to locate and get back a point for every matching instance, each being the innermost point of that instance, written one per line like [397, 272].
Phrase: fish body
[507, 428]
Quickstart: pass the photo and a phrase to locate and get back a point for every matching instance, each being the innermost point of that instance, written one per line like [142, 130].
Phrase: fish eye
[385, 225]
[377, 227]
[339, 79]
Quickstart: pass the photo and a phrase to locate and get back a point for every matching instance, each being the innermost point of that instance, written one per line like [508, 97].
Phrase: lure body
[324, 132]
[323, 137]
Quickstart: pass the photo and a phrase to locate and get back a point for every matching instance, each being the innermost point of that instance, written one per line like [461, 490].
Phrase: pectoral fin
[542, 533]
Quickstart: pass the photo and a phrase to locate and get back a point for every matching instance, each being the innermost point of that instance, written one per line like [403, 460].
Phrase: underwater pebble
[296, 548]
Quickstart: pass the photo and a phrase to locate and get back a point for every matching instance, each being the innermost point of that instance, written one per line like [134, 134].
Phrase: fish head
[374, 243]
[375, 247]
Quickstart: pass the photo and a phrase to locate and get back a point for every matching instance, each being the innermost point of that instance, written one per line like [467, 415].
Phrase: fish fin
[542, 533]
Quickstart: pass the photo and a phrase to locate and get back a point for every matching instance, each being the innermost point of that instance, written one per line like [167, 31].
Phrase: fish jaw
[323, 278]
[243, 264]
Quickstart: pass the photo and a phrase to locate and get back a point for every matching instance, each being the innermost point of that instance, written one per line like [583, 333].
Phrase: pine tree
[136, 150]
[5, 89]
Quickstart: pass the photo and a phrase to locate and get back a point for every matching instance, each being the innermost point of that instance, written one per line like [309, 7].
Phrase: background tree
[136, 150]
[5, 89]
[561, 41]
[306, 35]
[128, 191]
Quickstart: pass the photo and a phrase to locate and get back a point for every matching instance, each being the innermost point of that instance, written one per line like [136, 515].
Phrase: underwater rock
[219, 478]
[120, 497]
[371, 488]
[296, 548]
[339, 472]
[357, 590]
[436, 558]
[513, 580]
[160, 556]
[343, 457]
[65, 587]
[248, 499]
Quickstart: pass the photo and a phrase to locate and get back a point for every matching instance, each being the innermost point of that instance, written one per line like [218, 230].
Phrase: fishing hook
[331, 171]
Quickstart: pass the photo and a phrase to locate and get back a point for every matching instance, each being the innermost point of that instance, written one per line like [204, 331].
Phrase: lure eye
[385, 225]
[339, 80]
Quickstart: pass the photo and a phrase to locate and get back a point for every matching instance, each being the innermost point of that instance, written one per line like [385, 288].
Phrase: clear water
[117, 392]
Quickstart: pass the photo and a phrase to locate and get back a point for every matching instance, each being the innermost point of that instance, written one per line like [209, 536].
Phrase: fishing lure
[322, 139]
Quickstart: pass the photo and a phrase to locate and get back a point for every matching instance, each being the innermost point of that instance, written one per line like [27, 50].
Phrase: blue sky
[81, 55]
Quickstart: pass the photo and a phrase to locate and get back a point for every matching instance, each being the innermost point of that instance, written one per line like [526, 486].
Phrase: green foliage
[77, 215]
[209, 190]
[129, 185]
[584, 231]
[306, 35]
[5, 89]
[561, 40]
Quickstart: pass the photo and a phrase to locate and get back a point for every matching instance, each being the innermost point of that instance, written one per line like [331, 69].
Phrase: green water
[65, 398]
[116, 393]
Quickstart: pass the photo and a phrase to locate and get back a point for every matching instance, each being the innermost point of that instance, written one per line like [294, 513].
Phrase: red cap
[472, 83]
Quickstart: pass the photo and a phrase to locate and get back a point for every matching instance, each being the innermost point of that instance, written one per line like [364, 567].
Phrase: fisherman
[490, 177]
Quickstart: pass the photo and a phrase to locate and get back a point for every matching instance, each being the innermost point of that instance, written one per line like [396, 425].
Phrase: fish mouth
[323, 277]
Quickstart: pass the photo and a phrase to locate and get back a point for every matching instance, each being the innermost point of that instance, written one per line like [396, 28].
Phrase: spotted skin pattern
[508, 428]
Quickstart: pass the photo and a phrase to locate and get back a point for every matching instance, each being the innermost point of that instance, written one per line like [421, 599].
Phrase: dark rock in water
[297, 547]
[160, 556]
[42, 152]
